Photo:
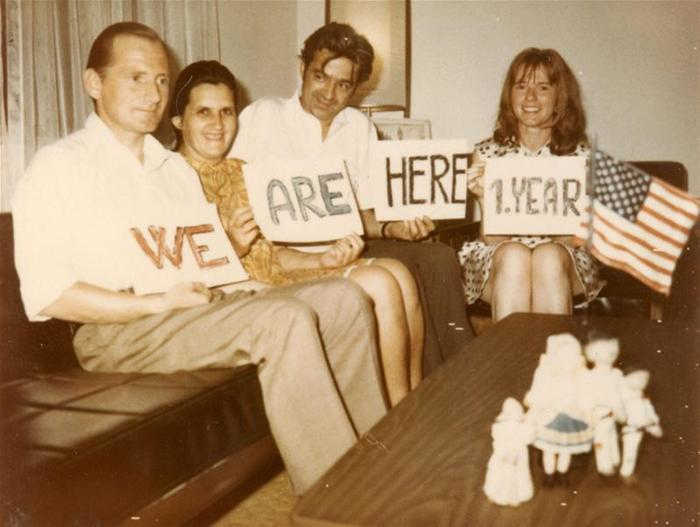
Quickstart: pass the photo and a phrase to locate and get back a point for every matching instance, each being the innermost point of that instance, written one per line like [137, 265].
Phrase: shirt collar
[294, 106]
[154, 153]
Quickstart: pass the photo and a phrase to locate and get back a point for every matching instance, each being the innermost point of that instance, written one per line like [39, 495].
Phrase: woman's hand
[344, 251]
[242, 230]
[475, 180]
[410, 230]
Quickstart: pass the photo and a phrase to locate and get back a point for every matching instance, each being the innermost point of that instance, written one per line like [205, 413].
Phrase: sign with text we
[187, 245]
[543, 195]
[419, 178]
[308, 200]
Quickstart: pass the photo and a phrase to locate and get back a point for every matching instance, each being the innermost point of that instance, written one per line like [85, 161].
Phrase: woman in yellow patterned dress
[203, 114]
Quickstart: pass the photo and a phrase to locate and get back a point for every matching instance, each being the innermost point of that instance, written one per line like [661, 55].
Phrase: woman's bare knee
[550, 261]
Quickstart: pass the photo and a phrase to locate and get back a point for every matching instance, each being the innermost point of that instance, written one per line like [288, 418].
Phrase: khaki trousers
[315, 347]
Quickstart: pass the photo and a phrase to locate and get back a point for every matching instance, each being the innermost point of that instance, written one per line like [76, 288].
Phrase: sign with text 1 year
[308, 200]
[419, 178]
[534, 195]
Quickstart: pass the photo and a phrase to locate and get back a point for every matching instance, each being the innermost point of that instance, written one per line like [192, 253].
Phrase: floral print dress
[476, 257]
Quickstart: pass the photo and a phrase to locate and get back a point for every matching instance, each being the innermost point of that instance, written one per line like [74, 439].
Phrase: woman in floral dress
[540, 115]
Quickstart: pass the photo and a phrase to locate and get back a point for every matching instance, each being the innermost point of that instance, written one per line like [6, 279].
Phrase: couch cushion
[119, 441]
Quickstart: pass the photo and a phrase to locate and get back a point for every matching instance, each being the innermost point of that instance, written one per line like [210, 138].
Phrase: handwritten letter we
[186, 245]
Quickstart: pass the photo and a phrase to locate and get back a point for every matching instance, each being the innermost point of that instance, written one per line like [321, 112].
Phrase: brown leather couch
[81, 448]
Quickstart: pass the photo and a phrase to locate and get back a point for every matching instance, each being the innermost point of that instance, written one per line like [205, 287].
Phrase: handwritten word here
[419, 178]
[170, 253]
[544, 195]
[302, 200]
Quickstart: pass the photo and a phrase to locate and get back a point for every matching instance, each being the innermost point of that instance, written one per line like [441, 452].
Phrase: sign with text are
[187, 246]
[298, 201]
[544, 195]
[419, 178]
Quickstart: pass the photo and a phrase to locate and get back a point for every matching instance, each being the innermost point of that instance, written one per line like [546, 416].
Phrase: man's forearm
[87, 303]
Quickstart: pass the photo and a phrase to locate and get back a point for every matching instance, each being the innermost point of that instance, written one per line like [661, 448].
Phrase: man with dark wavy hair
[318, 119]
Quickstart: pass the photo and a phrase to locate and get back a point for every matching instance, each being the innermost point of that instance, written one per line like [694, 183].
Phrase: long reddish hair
[569, 125]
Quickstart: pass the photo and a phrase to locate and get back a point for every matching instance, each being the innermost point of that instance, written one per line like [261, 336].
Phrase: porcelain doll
[605, 440]
[602, 383]
[641, 417]
[554, 401]
[508, 480]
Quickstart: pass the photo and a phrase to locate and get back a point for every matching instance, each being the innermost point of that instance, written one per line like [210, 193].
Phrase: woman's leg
[554, 280]
[414, 315]
[508, 288]
[385, 292]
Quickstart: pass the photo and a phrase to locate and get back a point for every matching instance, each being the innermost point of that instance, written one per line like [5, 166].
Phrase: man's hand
[242, 230]
[343, 252]
[188, 294]
[410, 230]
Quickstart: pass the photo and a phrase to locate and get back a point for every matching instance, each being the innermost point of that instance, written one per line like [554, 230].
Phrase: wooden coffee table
[424, 463]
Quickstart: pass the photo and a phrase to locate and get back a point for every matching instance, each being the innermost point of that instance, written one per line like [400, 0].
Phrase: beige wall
[260, 40]
[637, 62]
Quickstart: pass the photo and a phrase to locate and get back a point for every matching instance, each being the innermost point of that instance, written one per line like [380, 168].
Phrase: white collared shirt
[76, 203]
[279, 127]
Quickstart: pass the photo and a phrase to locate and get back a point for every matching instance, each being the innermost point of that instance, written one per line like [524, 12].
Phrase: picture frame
[398, 129]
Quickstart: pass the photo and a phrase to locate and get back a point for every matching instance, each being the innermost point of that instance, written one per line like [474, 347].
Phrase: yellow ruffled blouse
[224, 185]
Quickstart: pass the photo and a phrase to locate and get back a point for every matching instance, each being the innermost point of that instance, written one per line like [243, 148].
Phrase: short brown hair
[101, 51]
[569, 128]
[342, 41]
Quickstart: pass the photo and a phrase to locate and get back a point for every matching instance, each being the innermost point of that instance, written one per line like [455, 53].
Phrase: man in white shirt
[316, 120]
[83, 214]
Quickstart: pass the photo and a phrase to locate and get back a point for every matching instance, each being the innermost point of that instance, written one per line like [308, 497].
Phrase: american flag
[640, 224]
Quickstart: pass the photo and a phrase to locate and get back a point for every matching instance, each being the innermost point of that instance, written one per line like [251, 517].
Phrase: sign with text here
[419, 178]
[544, 195]
[189, 245]
[298, 201]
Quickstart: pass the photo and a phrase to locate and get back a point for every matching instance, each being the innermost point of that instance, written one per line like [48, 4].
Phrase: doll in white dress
[641, 417]
[554, 401]
[508, 480]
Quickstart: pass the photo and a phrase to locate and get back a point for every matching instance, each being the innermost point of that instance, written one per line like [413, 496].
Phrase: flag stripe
[647, 220]
[688, 209]
[623, 236]
[639, 234]
[630, 259]
[672, 215]
[677, 196]
[617, 239]
[664, 289]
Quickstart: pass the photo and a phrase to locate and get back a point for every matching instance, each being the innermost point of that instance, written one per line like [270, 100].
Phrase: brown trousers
[314, 343]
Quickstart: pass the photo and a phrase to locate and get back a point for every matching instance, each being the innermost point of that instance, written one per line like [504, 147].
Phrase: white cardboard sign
[189, 246]
[544, 195]
[299, 201]
[419, 178]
